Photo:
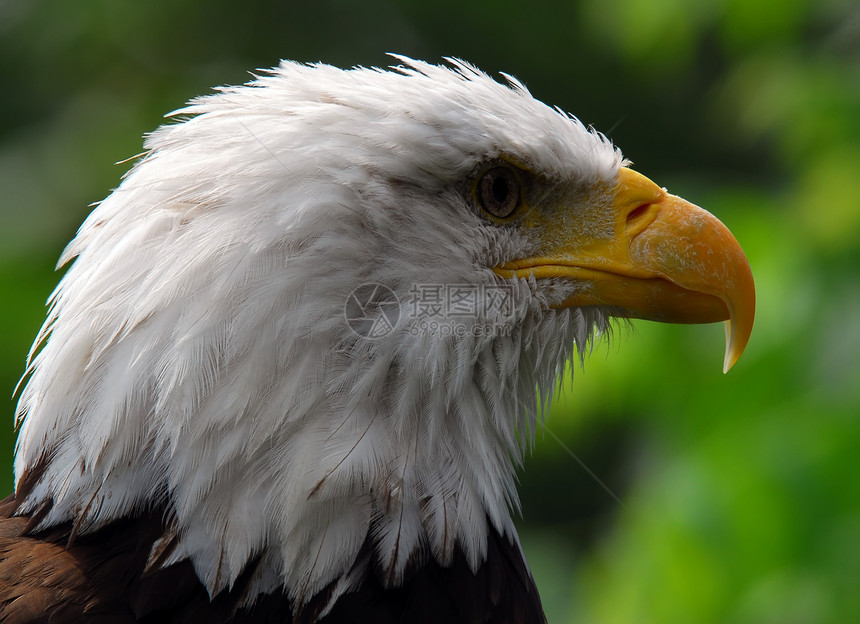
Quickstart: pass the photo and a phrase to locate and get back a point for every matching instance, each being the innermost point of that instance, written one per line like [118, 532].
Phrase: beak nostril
[636, 214]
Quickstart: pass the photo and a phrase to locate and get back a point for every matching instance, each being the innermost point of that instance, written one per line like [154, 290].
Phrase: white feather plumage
[196, 353]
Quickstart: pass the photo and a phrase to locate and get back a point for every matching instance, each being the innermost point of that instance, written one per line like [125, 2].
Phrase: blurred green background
[727, 498]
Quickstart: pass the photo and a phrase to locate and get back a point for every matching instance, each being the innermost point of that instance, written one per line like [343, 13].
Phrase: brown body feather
[103, 577]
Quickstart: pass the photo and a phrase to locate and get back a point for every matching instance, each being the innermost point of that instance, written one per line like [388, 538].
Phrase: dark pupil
[500, 189]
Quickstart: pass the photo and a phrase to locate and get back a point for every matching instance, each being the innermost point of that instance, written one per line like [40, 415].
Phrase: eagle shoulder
[106, 576]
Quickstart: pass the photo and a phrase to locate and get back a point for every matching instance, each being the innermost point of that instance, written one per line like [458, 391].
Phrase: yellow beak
[656, 257]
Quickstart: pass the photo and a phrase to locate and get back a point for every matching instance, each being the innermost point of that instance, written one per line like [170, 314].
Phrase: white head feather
[196, 355]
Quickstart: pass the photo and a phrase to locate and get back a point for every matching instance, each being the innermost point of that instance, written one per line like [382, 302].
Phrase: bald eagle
[294, 364]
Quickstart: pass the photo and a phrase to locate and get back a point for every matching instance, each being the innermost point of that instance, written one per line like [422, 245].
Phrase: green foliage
[740, 495]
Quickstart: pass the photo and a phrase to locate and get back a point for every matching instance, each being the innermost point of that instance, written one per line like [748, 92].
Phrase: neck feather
[282, 437]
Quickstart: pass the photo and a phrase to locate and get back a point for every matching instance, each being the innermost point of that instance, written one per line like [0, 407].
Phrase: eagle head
[313, 326]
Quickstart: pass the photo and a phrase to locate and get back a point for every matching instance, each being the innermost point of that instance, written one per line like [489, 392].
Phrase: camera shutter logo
[372, 310]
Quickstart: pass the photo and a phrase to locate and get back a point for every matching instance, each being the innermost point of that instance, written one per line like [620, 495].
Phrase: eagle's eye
[499, 191]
